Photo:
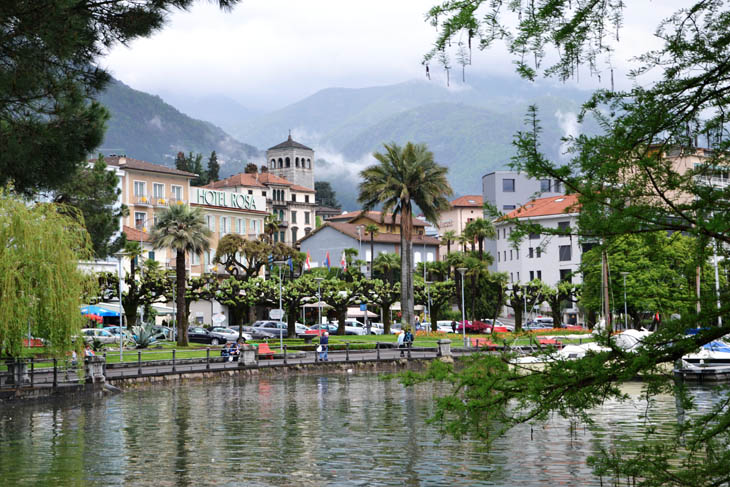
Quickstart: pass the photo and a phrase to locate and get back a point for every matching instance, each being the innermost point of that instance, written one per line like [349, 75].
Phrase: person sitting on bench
[226, 352]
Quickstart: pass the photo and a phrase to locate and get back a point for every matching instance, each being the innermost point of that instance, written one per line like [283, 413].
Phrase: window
[154, 220]
[564, 227]
[281, 237]
[499, 257]
[544, 185]
[368, 256]
[539, 275]
[294, 234]
[505, 256]
[532, 275]
[306, 217]
[210, 221]
[518, 277]
[566, 275]
[263, 193]
[429, 257]
[276, 237]
[564, 252]
[158, 190]
[241, 226]
[517, 257]
[538, 252]
[556, 186]
[293, 216]
[530, 252]
[207, 257]
[139, 219]
[306, 198]
[151, 255]
[224, 225]
[510, 254]
[508, 185]
[511, 277]
[140, 188]
[176, 192]
[534, 236]
[293, 197]
[417, 258]
[250, 191]
[195, 259]
[508, 207]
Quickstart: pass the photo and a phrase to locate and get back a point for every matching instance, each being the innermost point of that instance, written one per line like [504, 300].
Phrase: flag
[327, 259]
[309, 266]
[343, 262]
[271, 262]
[291, 264]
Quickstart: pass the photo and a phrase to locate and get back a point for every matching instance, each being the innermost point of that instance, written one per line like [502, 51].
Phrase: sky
[266, 54]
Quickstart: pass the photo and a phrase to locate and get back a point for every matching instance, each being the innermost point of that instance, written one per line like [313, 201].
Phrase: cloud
[568, 123]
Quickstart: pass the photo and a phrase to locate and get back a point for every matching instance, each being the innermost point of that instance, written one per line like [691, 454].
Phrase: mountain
[145, 127]
[223, 111]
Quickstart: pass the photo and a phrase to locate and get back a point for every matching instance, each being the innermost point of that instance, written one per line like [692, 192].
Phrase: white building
[550, 258]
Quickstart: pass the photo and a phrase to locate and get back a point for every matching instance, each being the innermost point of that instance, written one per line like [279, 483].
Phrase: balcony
[175, 201]
[283, 224]
[142, 200]
[160, 201]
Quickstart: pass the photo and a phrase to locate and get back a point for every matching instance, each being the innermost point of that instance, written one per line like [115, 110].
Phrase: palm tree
[463, 240]
[372, 229]
[406, 176]
[480, 229]
[271, 226]
[183, 229]
[386, 265]
[449, 237]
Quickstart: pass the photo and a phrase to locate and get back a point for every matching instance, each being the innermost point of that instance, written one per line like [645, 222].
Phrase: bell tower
[292, 161]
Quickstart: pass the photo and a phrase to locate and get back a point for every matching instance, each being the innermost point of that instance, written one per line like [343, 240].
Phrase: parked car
[230, 334]
[198, 334]
[497, 323]
[100, 334]
[114, 330]
[534, 325]
[325, 327]
[353, 327]
[444, 326]
[395, 328]
[257, 333]
[164, 333]
[474, 326]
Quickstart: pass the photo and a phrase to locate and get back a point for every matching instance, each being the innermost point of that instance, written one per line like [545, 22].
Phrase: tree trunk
[406, 268]
[386, 318]
[291, 331]
[182, 317]
[473, 292]
[372, 253]
[481, 248]
[341, 317]
[498, 307]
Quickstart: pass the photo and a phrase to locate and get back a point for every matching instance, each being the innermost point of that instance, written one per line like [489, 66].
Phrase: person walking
[453, 326]
[324, 341]
[408, 340]
[401, 341]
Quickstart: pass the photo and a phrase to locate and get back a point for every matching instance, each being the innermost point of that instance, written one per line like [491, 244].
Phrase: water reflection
[298, 430]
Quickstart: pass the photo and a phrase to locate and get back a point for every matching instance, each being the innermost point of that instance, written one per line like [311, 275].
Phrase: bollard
[377, 351]
[139, 362]
[104, 366]
[173, 360]
[207, 358]
[32, 371]
[285, 355]
[409, 352]
[55, 373]
[347, 352]
[580, 341]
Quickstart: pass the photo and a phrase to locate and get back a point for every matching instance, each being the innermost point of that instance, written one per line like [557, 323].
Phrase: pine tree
[213, 168]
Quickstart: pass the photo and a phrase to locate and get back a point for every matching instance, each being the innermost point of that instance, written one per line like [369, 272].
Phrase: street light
[428, 301]
[319, 302]
[626, 326]
[279, 263]
[119, 256]
[462, 270]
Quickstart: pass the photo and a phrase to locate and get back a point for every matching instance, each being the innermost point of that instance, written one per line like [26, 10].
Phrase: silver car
[99, 334]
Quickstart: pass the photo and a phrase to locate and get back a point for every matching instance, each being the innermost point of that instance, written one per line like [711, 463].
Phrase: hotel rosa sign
[224, 199]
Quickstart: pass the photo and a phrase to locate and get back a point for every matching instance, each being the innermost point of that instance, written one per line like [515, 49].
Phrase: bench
[550, 341]
[483, 342]
[265, 351]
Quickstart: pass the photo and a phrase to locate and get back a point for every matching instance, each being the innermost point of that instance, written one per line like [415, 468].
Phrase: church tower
[292, 161]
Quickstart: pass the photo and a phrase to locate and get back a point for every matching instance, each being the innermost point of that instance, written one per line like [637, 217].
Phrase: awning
[357, 313]
[396, 307]
[100, 310]
[320, 304]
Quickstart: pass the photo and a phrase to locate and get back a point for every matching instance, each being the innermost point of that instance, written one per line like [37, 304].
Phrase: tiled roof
[553, 205]
[468, 200]
[134, 235]
[290, 144]
[124, 162]
[350, 230]
[301, 189]
[257, 180]
[375, 216]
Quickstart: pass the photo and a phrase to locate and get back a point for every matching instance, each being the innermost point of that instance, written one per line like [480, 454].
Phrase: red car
[474, 327]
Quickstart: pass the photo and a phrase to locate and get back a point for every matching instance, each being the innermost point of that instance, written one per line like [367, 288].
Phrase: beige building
[148, 189]
[462, 211]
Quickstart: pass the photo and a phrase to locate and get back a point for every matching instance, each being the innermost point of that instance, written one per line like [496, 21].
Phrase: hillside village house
[462, 211]
[348, 231]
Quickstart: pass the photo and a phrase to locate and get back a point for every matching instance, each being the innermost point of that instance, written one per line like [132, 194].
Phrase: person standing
[418, 322]
[408, 340]
[401, 341]
[324, 341]
[453, 326]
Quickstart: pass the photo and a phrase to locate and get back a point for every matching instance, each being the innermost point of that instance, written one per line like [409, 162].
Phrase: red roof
[301, 189]
[350, 230]
[135, 235]
[553, 205]
[124, 162]
[376, 216]
[469, 200]
[256, 180]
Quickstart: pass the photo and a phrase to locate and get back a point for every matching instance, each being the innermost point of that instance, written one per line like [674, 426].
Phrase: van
[544, 320]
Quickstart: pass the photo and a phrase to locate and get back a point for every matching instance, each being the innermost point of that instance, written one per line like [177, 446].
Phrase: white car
[444, 326]
[353, 327]
[229, 334]
[104, 336]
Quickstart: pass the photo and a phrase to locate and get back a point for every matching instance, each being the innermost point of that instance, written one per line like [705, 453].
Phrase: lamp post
[319, 302]
[119, 256]
[626, 326]
[462, 270]
[279, 263]
[428, 301]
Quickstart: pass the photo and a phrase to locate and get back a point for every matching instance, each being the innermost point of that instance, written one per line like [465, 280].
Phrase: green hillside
[145, 127]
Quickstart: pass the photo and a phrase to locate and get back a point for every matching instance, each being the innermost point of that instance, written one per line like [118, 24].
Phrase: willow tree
[40, 283]
[182, 229]
[403, 178]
